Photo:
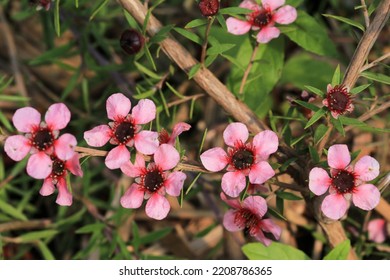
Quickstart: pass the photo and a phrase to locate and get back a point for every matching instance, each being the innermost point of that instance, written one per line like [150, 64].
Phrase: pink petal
[157, 207]
[272, 4]
[328, 88]
[266, 34]
[177, 130]
[64, 197]
[268, 225]
[256, 204]
[146, 142]
[265, 144]
[261, 237]
[117, 157]
[335, 114]
[39, 165]
[17, 147]
[229, 221]
[377, 230]
[57, 116]
[366, 197]
[334, 206]
[174, 183]
[144, 111]
[285, 15]
[64, 146]
[134, 170]
[367, 168]
[47, 187]
[133, 197]
[25, 119]
[237, 27]
[319, 181]
[235, 133]
[233, 183]
[260, 172]
[338, 156]
[325, 102]
[234, 203]
[98, 136]
[214, 159]
[118, 106]
[73, 165]
[166, 157]
[249, 4]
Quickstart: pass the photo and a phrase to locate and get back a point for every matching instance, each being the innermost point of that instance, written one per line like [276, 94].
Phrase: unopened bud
[131, 41]
[209, 8]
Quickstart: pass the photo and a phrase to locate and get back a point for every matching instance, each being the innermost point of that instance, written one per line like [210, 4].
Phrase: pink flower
[262, 18]
[346, 182]
[243, 159]
[377, 231]
[153, 181]
[248, 215]
[125, 130]
[179, 128]
[40, 139]
[338, 100]
[57, 179]
[42, 4]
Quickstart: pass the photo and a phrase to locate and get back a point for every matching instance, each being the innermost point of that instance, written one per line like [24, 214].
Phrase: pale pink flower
[153, 182]
[125, 130]
[57, 179]
[40, 139]
[345, 183]
[263, 18]
[338, 100]
[249, 215]
[243, 159]
[377, 230]
[179, 128]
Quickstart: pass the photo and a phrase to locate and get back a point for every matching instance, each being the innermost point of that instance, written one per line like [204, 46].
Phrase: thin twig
[324, 140]
[19, 225]
[365, 13]
[375, 62]
[210, 21]
[248, 69]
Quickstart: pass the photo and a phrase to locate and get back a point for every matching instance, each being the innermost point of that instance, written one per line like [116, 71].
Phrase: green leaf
[307, 105]
[71, 85]
[36, 235]
[162, 34]
[319, 133]
[219, 49]
[275, 251]
[362, 125]
[359, 89]
[276, 214]
[57, 25]
[46, 253]
[347, 21]
[155, 236]
[98, 8]
[338, 125]
[222, 21]
[194, 70]
[52, 54]
[340, 252]
[91, 228]
[288, 195]
[310, 35]
[317, 115]
[12, 211]
[196, 23]
[146, 71]
[234, 11]
[376, 77]
[336, 76]
[314, 155]
[189, 35]
[315, 90]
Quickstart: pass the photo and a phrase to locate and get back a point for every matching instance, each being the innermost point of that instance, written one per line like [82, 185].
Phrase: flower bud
[209, 8]
[131, 41]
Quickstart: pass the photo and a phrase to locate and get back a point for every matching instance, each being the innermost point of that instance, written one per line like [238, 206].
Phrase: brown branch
[365, 13]
[375, 62]
[18, 225]
[366, 43]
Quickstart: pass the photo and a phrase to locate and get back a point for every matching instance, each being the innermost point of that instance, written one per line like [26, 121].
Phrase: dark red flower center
[42, 139]
[153, 180]
[344, 181]
[245, 218]
[242, 158]
[124, 132]
[338, 99]
[58, 168]
[163, 136]
[262, 18]
[131, 41]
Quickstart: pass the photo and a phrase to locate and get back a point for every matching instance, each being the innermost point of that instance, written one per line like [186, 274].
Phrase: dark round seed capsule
[131, 41]
[209, 8]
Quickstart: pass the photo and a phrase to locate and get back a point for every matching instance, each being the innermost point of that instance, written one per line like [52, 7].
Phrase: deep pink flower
[57, 179]
[338, 100]
[125, 130]
[40, 139]
[243, 159]
[262, 18]
[42, 4]
[377, 230]
[248, 215]
[153, 181]
[346, 182]
[179, 128]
